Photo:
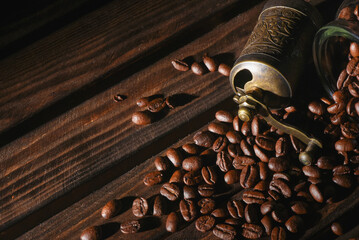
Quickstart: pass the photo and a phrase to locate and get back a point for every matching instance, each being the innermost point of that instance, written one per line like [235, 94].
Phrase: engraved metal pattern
[274, 32]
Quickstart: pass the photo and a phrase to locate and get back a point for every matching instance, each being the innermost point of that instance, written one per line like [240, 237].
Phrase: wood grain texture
[94, 140]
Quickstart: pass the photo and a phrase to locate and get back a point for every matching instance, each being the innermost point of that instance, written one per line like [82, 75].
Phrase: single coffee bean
[316, 193]
[175, 156]
[162, 163]
[342, 77]
[255, 126]
[316, 108]
[156, 105]
[299, 207]
[251, 196]
[172, 222]
[224, 231]
[111, 209]
[294, 224]
[234, 150]
[241, 161]
[354, 89]
[251, 231]
[263, 171]
[233, 221]
[209, 175]
[143, 102]
[265, 142]
[354, 49]
[237, 124]
[267, 223]
[246, 149]
[188, 210]
[224, 69]
[246, 128]
[336, 108]
[261, 186]
[142, 118]
[282, 175]
[341, 170]
[278, 233]
[337, 228]
[197, 68]
[139, 207]
[91, 233]
[281, 187]
[350, 107]
[345, 145]
[224, 116]
[282, 147]
[189, 192]
[192, 178]
[325, 162]
[130, 227]
[327, 101]
[207, 205]
[274, 195]
[210, 63]
[311, 171]
[180, 65]
[280, 213]
[352, 67]
[338, 118]
[349, 129]
[191, 148]
[177, 176]
[278, 164]
[159, 206]
[219, 213]
[153, 178]
[344, 181]
[204, 139]
[205, 223]
[260, 153]
[339, 96]
[233, 137]
[232, 176]
[217, 128]
[220, 144]
[206, 190]
[193, 163]
[171, 191]
[252, 213]
[267, 207]
[249, 176]
[235, 208]
[224, 161]
[119, 97]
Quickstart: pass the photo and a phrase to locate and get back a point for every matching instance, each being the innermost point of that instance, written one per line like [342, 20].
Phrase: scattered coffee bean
[267, 223]
[316, 108]
[189, 192]
[232, 176]
[217, 128]
[280, 187]
[224, 116]
[180, 65]
[139, 207]
[156, 105]
[142, 118]
[224, 231]
[205, 223]
[177, 176]
[159, 206]
[193, 163]
[224, 69]
[209, 175]
[249, 176]
[175, 156]
[220, 144]
[111, 209]
[251, 197]
[252, 213]
[192, 178]
[210, 63]
[191, 148]
[172, 222]
[206, 190]
[130, 227]
[224, 161]
[235, 208]
[204, 139]
[294, 224]
[197, 68]
[188, 210]
[251, 231]
[278, 164]
[316, 193]
[237, 124]
[92, 233]
[162, 163]
[337, 228]
[300, 207]
[233, 137]
[153, 178]
[207, 205]
[143, 102]
[219, 213]
[278, 233]
[170, 191]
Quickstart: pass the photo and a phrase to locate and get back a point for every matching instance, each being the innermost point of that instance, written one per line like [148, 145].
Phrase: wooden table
[66, 147]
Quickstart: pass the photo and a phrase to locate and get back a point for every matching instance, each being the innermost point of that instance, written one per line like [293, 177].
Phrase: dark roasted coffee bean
[338, 118]
[207, 205]
[204, 139]
[280, 213]
[143, 102]
[153, 178]
[234, 150]
[210, 63]
[349, 129]
[299, 207]
[345, 145]
[139, 207]
[274, 195]
[142, 118]
[156, 105]
[189, 192]
[249, 176]
[263, 171]
[232, 176]
[325, 162]
[281, 147]
[175, 156]
[219, 213]
[233, 221]
[180, 65]
[246, 128]
[252, 213]
[177, 176]
[162, 163]
[294, 224]
[260, 153]
[130, 227]
[354, 47]
[220, 144]
[255, 126]
[193, 163]
[224, 161]
[197, 68]
[261, 186]
[350, 107]
[278, 233]
[235, 208]
[111, 209]
[233, 137]
[246, 148]
[265, 142]
[251, 196]
[327, 101]
[192, 178]
[311, 171]
[278, 164]
[337, 228]
[209, 175]
[316, 108]
[305, 195]
[267, 207]
[171, 191]
[224, 69]
[341, 170]
[241, 161]
[237, 124]
[316, 193]
[281, 175]
[344, 181]
[224, 116]
[206, 190]
[217, 128]
[91, 233]
[342, 77]
[191, 148]
[172, 222]
[298, 146]
[224, 231]
[336, 108]
[352, 67]
[267, 223]
[354, 89]
[159, 206]
[188, 210]
[339, 96]
[251, 231]
[205, 223]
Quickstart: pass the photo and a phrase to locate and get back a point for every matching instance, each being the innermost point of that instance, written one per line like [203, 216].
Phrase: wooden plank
[97, 135]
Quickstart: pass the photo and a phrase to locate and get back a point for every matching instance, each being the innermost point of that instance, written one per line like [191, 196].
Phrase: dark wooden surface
[66, 148]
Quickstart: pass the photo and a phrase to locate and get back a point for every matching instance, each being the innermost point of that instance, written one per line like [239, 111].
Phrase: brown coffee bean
[263, 170]
[224, 161]
[153, 178]
[204, 139]
[177, 176]
[251, 231]
[352, 67]
[192, 178]
[311, 171]
[298, 146]
[140, 207]
[193, 163]
[171, 191]
[267, 207]
[261, 186]
[191, 148]
[188, 210]
[207, 205]
[342, 77]
[189, 192]
[354, 89]
[246, 149]
[278, 164]
[156, 105]
[240, 162]
[349, 129]
[338, 118]
[234, 150]
[130, 227]
[197, 68]
[267, 223]
[252, 213]
[159, 206]
[162, 163]
[180, 65]
[260, 153]
[255, 126]
[251, 196]
[282, 175]
[220, 144]
[217, 128]
[294, 224]
[224, 231]
[280, 213]
[344, 181]
[233, 137]
[224, 116]
[316, 193]
[175, 156]
[206, 190]
[172, 222]
[91, 233]
[325, 162]
[210, 63]
[246, 128]
[235, 208]
[111, 209]
[281, 147]
[142, 118]
[233, 221]
[143, 102]
[345, 145]
[354, 49]
[337, 228]
[265, 142]
[278, 233]
[232, 176]
[327, 101]
[237, 124]
[339, 96]
[336, 108]
[249, 176]
[316, 108]
[205, 223]
[300, 207]
[209, 175]
[350, 107]
[219, 213]
[224, 69]
[274, 195]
